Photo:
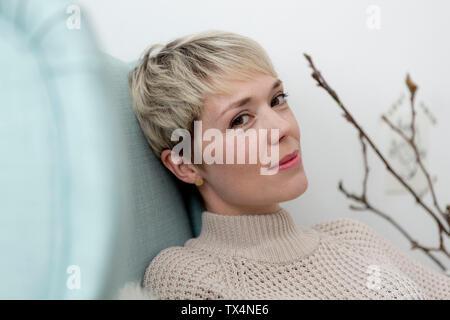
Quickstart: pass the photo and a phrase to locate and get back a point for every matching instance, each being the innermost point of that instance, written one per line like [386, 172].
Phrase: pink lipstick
[289, 161]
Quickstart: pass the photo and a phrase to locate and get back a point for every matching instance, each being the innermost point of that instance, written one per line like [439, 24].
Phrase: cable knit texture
[267, 256]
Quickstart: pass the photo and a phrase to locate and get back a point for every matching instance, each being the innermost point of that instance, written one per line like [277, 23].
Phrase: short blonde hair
[169, 88]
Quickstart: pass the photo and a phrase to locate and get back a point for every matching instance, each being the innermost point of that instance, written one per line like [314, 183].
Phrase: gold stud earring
[199, 181]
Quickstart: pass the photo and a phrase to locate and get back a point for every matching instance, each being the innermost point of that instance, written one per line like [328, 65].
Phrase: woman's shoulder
[184, 273]
[344, 227]
[172, 260]
[364, 239]
[353, 232]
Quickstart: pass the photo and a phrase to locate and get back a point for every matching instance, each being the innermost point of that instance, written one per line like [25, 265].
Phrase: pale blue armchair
[85, 204]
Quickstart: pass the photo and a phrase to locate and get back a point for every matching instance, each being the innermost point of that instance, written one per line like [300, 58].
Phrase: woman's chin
[293, 187]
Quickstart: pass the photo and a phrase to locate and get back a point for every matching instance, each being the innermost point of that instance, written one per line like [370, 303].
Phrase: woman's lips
[289, 161]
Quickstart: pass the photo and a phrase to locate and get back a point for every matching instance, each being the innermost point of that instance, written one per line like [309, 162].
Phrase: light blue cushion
[162, 205]
[79, 184]
[192, 198]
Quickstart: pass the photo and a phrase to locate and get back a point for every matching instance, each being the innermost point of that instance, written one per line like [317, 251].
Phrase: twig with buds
[362, 199]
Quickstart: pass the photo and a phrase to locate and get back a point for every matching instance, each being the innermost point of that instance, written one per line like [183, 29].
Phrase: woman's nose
[273, 120]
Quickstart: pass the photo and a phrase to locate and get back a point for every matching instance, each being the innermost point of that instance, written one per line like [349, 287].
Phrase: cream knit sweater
[269, 257]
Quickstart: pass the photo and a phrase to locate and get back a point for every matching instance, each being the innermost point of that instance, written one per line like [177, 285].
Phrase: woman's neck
[270, 237]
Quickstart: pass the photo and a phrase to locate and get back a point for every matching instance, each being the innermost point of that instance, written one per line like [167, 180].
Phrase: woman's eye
[283, 95]
[237, 122]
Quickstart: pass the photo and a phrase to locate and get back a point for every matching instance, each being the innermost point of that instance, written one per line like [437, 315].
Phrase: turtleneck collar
[272, 237]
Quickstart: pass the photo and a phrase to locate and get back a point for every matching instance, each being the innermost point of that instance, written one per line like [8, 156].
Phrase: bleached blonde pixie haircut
[168, 89]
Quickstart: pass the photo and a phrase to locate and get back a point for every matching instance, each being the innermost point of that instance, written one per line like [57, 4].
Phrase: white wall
[366, 67]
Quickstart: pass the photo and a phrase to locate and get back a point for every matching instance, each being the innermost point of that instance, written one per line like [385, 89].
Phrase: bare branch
[322, 83]
[362, 199]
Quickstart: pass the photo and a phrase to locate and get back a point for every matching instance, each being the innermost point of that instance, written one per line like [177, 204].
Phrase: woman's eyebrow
[244, 101]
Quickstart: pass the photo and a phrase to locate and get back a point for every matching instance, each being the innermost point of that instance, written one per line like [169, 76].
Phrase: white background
[365, 66]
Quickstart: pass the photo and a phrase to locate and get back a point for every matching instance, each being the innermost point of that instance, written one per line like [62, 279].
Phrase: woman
[249, 247]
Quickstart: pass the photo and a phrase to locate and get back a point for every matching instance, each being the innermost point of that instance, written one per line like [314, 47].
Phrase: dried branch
[411, 142]
[322, 83]
[363, 200]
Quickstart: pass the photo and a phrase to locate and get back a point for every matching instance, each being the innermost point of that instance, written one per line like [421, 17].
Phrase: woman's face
[235, 188]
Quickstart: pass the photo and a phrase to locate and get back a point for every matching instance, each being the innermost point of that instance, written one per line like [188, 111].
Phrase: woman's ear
[184, 171]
